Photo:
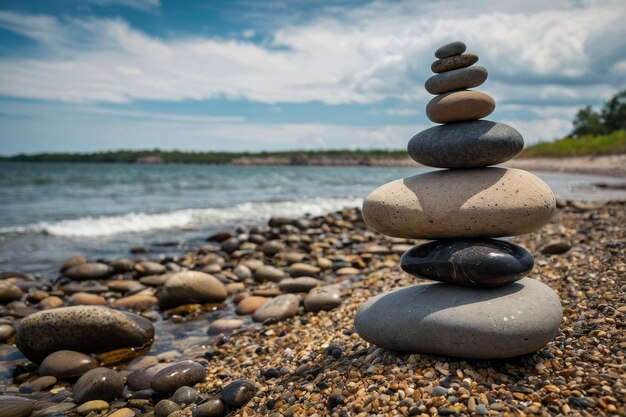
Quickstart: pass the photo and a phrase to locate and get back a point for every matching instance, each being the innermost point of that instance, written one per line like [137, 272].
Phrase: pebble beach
[261, 322]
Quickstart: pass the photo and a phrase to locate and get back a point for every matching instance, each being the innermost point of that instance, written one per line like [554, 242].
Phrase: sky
[245, 75]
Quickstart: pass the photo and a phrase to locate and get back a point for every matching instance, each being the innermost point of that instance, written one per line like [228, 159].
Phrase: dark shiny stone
[238, 392]
[471, 262]
[98, 384]
[450, 49]
[476, 143]
[185, 373]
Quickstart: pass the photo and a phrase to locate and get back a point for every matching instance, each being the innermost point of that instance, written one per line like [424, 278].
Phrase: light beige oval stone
[485, 202]
[459, 106]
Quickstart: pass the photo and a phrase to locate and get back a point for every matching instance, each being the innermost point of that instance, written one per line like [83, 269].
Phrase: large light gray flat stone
[463, 322]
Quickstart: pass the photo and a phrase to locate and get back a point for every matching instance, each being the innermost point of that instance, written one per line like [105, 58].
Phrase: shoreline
[311, 362]
[604, 165]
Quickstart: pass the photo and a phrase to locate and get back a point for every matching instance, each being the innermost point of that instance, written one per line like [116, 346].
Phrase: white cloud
[146, 5]
[380, 51]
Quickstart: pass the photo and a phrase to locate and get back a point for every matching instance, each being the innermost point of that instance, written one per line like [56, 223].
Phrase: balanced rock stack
[483, 307]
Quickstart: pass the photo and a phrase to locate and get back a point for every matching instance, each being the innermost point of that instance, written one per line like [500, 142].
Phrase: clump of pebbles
[293, 350]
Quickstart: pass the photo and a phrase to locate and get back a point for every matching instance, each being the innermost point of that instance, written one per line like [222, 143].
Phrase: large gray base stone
[456, 321]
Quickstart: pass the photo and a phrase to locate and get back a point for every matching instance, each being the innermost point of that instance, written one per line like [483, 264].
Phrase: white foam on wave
[144, 222]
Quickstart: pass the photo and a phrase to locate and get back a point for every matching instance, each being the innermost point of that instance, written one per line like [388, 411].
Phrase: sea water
[50, 211]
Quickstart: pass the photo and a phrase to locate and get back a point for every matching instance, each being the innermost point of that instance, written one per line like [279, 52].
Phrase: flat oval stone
[456, 321]
[323, 298]
[86, 329]
[458, 79]
[66, 364]
[250, 304]
[471, 262]
[483, 202]
[278, 308]
[172, 377]
[449, 49]
[98, 384]
[12, 406]
[141, 379]
[268, 273]
[454, 62]
[89, 270]
[471, 144]
[300, 284]
[9, 292]
[459, 106]
[191, 287]
[211, 408]
[224, 326]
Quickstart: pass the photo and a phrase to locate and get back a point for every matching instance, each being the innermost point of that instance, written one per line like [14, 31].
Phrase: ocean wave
[145, 222]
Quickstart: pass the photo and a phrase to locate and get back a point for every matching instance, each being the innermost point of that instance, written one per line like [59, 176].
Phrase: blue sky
[266, 75]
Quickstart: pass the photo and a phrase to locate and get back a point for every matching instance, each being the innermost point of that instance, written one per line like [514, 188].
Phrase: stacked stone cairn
[483, 305]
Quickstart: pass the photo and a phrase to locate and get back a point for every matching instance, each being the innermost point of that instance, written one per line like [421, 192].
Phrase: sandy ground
[612, 165]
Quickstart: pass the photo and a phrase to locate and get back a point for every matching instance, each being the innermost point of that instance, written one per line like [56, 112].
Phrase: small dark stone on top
[450, 49]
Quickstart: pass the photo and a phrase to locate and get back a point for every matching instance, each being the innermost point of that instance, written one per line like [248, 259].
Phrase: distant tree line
[610, 118]
[157, 155]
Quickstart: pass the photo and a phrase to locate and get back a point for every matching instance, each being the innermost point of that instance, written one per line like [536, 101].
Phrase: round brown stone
[458, 106]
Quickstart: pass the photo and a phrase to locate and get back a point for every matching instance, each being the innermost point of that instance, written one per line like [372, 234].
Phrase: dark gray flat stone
[462, 322]
[470, 262]
[454, 62]
[458, 79]
[450, 49]
[476, 143]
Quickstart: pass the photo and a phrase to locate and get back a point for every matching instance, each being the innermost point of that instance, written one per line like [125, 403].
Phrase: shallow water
[53, 210]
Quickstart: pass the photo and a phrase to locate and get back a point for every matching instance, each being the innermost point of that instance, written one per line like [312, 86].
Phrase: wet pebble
[191, 287]
[98, 384]
[268, 273]
[224, 326]
[140, 379]
[6, 332]
[92, 406]
[212, 408]
[89, 270]
[300, 284]
[9, 292]
[185, 395]
[86, 329]
[279, 308]
[323, 298]
[11, 406]
[165, 407]
[172, 377]
[238, 392]
[66, 364]
[556, 247]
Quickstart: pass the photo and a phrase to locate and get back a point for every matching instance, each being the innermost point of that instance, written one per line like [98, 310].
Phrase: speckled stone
[459, 106]
[278, 308]
[89, 270]
[98, 384]
[323, 298]
[456, 321]
[12, 406]
[179, 374]
[238, 392]
[471, 144]
[483, 202]
[191, 287]
[471, 262]
[454, 62]
[86, 329]
[66, 364]
[450, 49]
[458, 79]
